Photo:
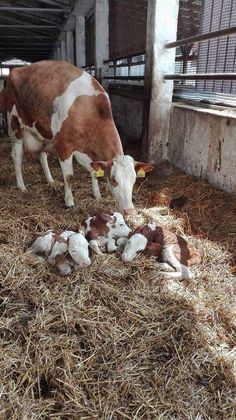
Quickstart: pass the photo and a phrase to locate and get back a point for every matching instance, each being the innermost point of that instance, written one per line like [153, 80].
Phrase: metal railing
[194, 39]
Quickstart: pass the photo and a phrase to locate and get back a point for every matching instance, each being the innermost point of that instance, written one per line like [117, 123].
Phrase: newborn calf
[64, 251]
[103, 229]
[171, 249]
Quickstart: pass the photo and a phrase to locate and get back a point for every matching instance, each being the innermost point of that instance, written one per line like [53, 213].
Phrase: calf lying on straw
[171, 249]
[104, 229]
[64, 251]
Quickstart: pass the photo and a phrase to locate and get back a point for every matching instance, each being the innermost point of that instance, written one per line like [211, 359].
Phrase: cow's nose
[128, 212]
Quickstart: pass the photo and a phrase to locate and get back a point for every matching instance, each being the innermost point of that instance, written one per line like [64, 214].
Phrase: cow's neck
[108, 144]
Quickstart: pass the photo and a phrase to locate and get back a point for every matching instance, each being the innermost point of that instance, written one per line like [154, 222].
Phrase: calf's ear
[108, 217]
[143, 166]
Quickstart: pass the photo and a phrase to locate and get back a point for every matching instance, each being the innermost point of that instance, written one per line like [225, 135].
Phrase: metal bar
[33, 9]
[31, 26]
[201, 76]
[124, 77]
[203, 37]
[48, 37]
[122, 57]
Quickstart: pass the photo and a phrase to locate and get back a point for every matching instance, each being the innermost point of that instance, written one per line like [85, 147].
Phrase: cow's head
[136, 243]
[79, 250]
[121, 173]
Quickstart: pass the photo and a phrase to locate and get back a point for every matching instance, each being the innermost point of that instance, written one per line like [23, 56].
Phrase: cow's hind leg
[68, 174]
[43, 159]
[17, 156]
[181, 271]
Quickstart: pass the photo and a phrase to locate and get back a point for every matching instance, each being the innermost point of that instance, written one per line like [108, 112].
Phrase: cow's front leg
[95, 247]
[43, 159]
[68, 174]
[17, 156]
[111, 245]
[95, 185]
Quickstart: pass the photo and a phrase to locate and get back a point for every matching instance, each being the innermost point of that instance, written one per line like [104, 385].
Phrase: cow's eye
[114, 182]
[121, 224]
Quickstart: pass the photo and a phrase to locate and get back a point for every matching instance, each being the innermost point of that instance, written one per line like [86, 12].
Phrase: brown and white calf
[171, 249]
[55, 106]
[104, 229]
[63, 250]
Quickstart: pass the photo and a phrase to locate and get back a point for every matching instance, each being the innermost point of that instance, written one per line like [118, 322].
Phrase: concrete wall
[128, 114]
[202, 143]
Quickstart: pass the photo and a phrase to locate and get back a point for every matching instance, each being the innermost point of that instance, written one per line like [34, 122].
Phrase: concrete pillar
[101, 38]
[70, 46]
[59, 52]
[63, 49]
[162, 17]
[80, 41]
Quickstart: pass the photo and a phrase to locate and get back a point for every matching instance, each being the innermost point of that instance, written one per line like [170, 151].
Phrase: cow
[53, 106]
[63, 250]
[104, 229]
[172, 250]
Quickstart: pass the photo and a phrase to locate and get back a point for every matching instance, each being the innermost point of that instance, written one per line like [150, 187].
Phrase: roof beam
[30, 26]
[34, 9]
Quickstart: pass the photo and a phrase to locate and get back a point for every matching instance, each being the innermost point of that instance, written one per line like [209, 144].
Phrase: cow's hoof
[69, 206]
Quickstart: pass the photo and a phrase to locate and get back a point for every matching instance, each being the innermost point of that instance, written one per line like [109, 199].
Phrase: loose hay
[115, 341]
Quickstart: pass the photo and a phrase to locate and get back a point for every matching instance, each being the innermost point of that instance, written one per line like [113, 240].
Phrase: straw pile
[116, 341]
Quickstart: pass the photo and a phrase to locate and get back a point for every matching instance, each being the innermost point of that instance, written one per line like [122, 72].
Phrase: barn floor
[116, 341]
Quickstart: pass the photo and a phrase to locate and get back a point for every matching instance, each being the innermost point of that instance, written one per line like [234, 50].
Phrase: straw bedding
[116, 341]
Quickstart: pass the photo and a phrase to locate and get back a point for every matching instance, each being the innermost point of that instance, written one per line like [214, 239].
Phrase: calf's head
[121, 174]
[136, 242]
[78, 249]
[117, 226]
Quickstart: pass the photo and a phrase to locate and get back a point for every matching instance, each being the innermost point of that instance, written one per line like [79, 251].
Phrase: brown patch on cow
[15, 126]
[185, 253]
[87, 132]
[98, 226]
[33, 89]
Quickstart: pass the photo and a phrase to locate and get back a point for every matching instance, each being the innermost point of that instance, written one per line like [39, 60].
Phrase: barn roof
[30, 29]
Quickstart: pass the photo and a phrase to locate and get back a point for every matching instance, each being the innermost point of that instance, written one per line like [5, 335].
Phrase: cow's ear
[107, 217]
[143, 166]
[101, 164]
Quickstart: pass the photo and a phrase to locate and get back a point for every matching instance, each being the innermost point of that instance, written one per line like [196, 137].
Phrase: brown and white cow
[55, 106]
[171, 249]
[104, 229]
[63, 250]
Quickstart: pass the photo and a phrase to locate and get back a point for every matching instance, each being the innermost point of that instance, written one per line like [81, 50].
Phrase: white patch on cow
[67, 170]
[78, 249]
[43, 244]
[182, 271]
[123, 172]
[152, 226]
[83, 159]
[82, 86]
[136, 243]
[118, 228]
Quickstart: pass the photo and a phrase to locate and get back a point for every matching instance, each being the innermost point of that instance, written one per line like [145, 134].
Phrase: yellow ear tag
[99, 173]
[141, 173]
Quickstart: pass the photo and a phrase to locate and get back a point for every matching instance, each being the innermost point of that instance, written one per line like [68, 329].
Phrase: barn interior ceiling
[30, 29]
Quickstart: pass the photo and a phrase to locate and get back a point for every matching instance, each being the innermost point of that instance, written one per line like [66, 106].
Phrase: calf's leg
[182, 271]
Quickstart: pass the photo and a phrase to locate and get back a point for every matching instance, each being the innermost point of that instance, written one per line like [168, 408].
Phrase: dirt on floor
[116, 341]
